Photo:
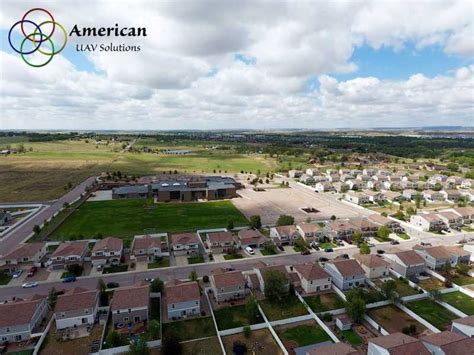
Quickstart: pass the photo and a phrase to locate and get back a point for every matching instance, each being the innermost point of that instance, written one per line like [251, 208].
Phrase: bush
[327, 317]
[205, 279]
[247, 331]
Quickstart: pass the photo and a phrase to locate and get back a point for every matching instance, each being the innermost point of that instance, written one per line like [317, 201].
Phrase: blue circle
[39, 42]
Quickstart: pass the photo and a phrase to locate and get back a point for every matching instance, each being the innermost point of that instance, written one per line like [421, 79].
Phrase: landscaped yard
[292, 307]
[393, 319]
[115, 268]
[209, 346]
[126, 218]
[233, 317]
[324, 302]
[163, 262]
[460, 301]
[431, 284]
[352, 337]
[327, 245]
[404, 236]
[303, 334]
[260, 342]
[403, 288]
[192, 329]
[462, 280]
[195, 259]
[432, 312]
[232, 256]
[5, 278]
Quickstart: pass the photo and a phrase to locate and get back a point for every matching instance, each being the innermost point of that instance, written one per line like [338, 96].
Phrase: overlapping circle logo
[36, 40]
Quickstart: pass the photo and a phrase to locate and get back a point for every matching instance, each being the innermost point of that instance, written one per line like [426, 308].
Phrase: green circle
[35, 65]
[49, 37]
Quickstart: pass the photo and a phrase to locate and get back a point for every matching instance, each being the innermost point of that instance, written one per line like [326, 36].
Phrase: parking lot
[272, 203]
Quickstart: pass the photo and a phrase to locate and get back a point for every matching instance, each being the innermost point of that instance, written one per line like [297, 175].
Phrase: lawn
[324, 302]
[115, 268]
[163, 262]
[460, 301]
[393, 319]
[352, 337]
[327, 245]
[233, 256]
[196, 259]
[403, 289]
[192, 329]
[260, 342]
[5, 278]
[431, 284]
[233, 317]
[404, 236]
[125, 218]
[291, 307]
[302, 335]
[209, 346]
[462, 280]
[432, 312]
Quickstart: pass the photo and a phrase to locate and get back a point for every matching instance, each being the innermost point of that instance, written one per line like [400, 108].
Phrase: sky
[246, 64]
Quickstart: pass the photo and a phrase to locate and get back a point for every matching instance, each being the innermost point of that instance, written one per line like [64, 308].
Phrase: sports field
[126, 218]
[46, 168]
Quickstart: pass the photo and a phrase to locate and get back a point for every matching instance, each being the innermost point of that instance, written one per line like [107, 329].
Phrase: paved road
[18, 235]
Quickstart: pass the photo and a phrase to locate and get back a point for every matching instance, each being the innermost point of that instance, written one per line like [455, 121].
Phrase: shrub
[205, 279]
[247, 331]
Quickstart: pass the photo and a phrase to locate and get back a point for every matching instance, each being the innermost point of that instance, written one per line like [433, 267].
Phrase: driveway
[141, 266]
[181, 260]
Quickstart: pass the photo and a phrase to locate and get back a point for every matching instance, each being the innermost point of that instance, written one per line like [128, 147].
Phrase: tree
[157, 285]
[275, 286]
[230, 225]
[139, 347]
[205, 279]
[113, 339]
[462, 268]
[383, 232]
[364, 248]
[389, 289]
[171, 344]
[52, 298]
[101, 285]
[355, 307]
[193, 276]
[418, 199]
[285, 220]
[36, 228]
[357, 237]
[447, 267]
[255, 222]
[333, 218]
[251, 308]
[154, 329]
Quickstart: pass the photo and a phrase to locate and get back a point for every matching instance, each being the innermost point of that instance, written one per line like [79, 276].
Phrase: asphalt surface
[22, 232]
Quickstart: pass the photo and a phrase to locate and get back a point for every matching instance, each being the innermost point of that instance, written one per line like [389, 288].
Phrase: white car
[17, 274]
[249, 251]
[29, 284]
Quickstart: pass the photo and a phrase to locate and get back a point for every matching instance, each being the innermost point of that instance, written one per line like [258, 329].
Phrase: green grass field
[192, 329]
[324, 302]
[352, 337]
[460, 301]
[233, 317]
[126, 218]
[291, 307]
[304, 334]
[432, 312]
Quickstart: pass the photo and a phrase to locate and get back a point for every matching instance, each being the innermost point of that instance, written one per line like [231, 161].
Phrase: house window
[8, 330]
[125, 319]
[129, 310]
[86, 311]
[172, 306]
[118, 311]
[197, 302]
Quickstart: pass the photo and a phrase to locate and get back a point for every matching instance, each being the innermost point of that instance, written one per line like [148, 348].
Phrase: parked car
[100, 267]
[329, 250]
[305, 252]
[380, 251]
[249, 251]
[230, 268]
[17, 274]
[112, 285]
[32, 271]
[69, 279]
[314, 244]
[29, 284]
[316, 248]
[60, 292]
[371, 245]
[425, 244]
[149, 279]
[323, 259]
[280, 248]
[394, 242]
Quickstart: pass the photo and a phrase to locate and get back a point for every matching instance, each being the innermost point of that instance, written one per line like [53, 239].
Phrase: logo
[38, 37]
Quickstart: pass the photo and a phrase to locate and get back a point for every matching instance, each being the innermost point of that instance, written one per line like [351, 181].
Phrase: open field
[432, 312]
[42, 174]
[324, 302]
[301, 334]
[460, 301]
[393, 319]
[260, 342]
[192, 329]
[125, 218]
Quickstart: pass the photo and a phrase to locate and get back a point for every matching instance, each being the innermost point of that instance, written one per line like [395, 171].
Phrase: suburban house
[228, 286]
[354, 184]
[148, 247]
[130, 305]
[357, 198]
[452, 219]
[307, 179]
[313, 277]
[220, 242]
[310, 232]
[448, 343]
[262, 270]
[468, 194]
[428, 222]
[396, 343]
[467, 214]
[342, 230]
[436, 257]
[284, 235]
[409, 194]
[76, 307]
[23, 254]
[345, 273]
[5, 217]
[107, 251]
[250, 238]
[375, 196]
[407, 263]
[182, 299]
[185, 243]
[312, 172]
[324, 187]
[68, 253]
[433, 195]
[374, 185]
[393, 226]
[131, 191]
[365, 226]
[393, 195]
[294, 173]
[452, 195]
[19, 318]
[333, 349]
[373, 265]
[464, 326]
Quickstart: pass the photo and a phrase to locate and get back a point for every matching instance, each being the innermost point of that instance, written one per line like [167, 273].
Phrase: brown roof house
[19, 318]
[284, 235]
[365, 226]
[345, 273]
[130, 305]
[393, 226]
[68, 253]
[182, 299]
[313, 277]
[464, 326]
[429, 222]
[228, 286]
[396, 344]
[76, 307]
[185, 243]
[340, 229]
[23, 254]
[333, 349]
[448, 343]
[150, 246]
[310, 232]
[263, 270]
[467, 213]
[407, 263]
[220, 242]
[374, 266]
[250, 238]
[436, 257]
[107, 251]
[452, 219]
